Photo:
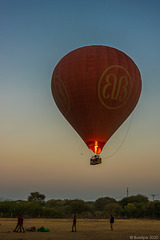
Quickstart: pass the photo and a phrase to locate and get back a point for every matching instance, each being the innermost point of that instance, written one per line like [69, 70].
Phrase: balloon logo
[96, 88]
[114, 89]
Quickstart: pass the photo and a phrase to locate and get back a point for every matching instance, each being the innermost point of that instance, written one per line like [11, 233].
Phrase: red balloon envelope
[96, 88]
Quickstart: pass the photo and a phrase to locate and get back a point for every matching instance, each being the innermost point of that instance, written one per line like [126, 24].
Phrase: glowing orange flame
[95, 146]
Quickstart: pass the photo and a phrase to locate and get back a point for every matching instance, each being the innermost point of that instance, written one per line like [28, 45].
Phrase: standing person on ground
[74, 223]
[21, 225]
[111, 222]
[18, 224]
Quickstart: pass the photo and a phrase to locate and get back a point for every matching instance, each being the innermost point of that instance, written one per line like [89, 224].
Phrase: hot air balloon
[96, 88]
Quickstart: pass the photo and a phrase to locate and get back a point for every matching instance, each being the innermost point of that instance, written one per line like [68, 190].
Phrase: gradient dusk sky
[39, 150]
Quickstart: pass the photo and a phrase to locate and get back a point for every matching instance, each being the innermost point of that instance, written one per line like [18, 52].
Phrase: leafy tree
[37, 197]
[130, 210]
[141, 209]
[54, 212]
[66, 202]
[90, 206]
[101, 203]
[54, 203]
[157, 208]
[133, 199]
[113, 208]
[34, 209]
[137, 209]
[21, 207]
[154, 209]
[77, 206]
[8, 208]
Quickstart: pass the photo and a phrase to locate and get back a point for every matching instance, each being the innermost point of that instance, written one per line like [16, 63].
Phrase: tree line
[137, 206]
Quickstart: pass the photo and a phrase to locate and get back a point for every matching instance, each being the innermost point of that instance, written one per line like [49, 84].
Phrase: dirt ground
[86, 229]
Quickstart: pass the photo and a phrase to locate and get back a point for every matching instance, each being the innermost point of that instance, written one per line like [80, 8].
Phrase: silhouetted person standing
[74, 223]
[111, 222]
[18, 224]
[21, 225]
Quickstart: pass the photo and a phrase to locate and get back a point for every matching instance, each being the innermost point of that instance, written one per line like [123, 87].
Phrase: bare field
[87, 229]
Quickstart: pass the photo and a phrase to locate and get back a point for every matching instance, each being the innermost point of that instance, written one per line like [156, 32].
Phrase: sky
[39, 150]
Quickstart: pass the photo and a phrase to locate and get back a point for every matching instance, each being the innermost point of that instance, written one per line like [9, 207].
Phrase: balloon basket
[95, 160]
